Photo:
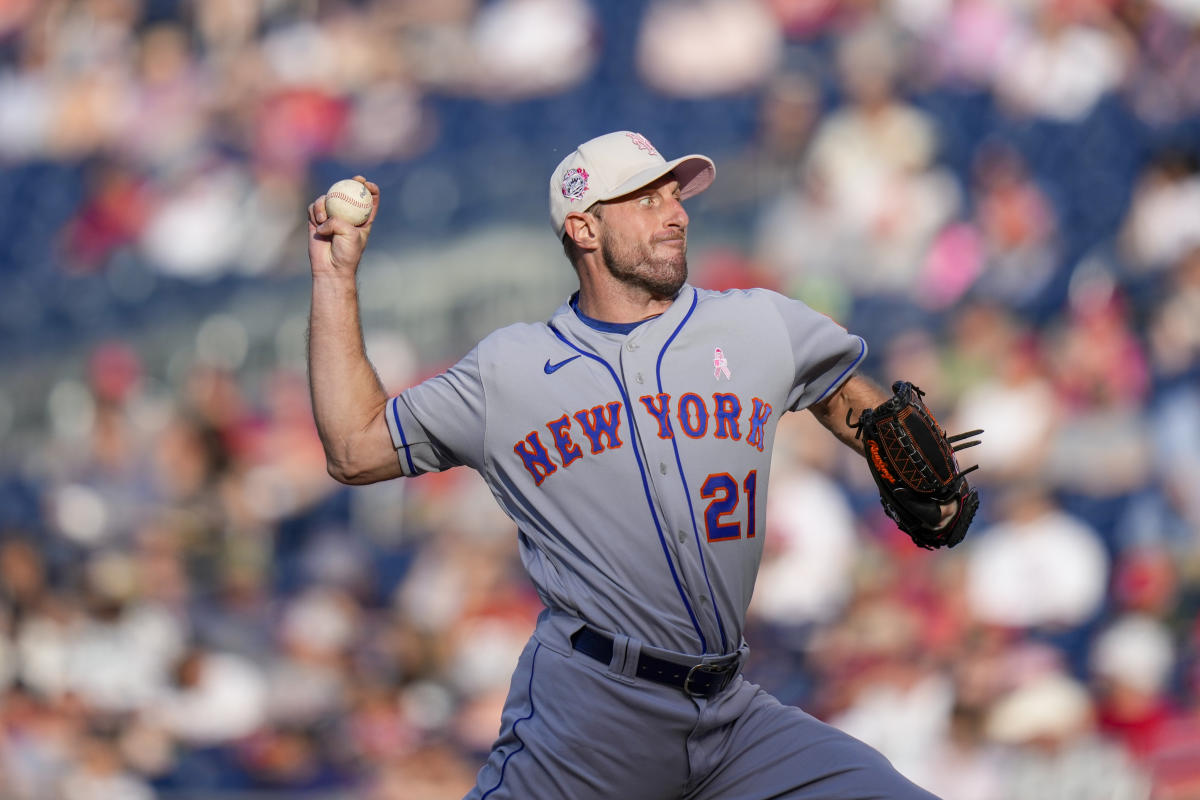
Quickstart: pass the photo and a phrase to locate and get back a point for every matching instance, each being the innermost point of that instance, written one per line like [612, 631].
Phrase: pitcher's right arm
[349, 401]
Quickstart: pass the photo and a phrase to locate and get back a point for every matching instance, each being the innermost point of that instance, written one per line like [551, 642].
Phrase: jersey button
[682, 537]
[662, 467]
[630, 346]
[638, 378]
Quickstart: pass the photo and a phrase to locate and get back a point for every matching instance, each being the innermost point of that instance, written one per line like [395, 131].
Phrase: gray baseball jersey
[635, 463]
[634, 460]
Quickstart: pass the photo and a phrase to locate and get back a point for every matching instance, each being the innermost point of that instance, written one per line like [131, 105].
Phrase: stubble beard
[636, 266]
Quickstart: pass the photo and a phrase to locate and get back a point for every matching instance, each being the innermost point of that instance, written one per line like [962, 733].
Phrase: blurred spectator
[171, 100]
[1172, 761]
[213, 698]
[1131, 661]
[22, 579]
[117, 208]
[1163, 78]
[1101, 376]
[118, 658]
[307, 681]
[38, 740]
[429, 773]
[214, 219]
[914, 353]
[1174, 328]
[1036, 567]
[811, 543]
[968, 45]
[800, 238]
[531, 48]
[1160, 225]
[902, 707]
[1060, 67]
[1057, 755]
[707, 47]
[98, 774]
[389, 121]
[1017, 227]
[1018, 409]
[979, 336]
[288, 760]
[1147, 580]
[966, 766]
[804, 19]
[101, 470]
[43, 640]
[1099, 358]
[770, 164]
[1174, 512]
[873, 165]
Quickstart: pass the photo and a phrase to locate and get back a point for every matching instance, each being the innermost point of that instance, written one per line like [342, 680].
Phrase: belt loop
[620, 655]
[743, 653]
[633, 654]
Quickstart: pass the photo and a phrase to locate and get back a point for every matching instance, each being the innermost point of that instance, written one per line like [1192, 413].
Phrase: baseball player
[629, 437]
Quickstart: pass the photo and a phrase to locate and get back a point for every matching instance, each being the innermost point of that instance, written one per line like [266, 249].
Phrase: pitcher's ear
[582, 228]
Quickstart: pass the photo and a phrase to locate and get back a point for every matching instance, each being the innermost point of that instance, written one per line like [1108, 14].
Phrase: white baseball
[349, 200]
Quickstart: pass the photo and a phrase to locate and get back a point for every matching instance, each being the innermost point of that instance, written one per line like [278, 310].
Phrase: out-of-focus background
[1003, 196]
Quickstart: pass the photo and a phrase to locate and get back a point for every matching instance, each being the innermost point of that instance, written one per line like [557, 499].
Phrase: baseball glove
[912, 461]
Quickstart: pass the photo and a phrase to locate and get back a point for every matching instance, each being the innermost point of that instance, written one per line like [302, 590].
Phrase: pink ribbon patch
[720, 365]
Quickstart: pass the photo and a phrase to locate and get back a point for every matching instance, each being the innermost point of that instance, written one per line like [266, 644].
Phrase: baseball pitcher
[629, 437]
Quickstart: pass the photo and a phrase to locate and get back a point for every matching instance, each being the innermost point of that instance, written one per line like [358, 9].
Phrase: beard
[635, 265]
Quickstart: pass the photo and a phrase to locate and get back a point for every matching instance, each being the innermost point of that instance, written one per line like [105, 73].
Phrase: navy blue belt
[698, 680]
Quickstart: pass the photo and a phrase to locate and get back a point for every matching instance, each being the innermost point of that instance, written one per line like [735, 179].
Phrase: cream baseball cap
[616, 164]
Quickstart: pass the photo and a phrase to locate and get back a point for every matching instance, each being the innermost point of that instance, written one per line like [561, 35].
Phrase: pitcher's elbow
[361, 456]
[346, 472]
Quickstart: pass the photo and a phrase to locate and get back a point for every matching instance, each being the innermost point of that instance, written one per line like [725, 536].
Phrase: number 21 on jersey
[721, 518]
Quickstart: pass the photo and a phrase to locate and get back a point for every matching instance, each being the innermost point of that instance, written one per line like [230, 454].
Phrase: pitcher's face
[643, 238]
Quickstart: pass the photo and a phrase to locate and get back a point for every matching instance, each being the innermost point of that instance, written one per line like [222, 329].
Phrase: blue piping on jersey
[687, 492]
[532, 668]
[412, 470]
[637, 456]
[862, 351]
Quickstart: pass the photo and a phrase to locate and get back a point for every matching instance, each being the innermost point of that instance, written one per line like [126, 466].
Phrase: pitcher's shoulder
[516, 338]
[711, 299]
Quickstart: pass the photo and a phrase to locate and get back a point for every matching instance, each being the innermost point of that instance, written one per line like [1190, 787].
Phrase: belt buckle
[711, 669]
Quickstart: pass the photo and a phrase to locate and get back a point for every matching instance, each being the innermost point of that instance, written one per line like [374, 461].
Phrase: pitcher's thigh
[572, 731]
[778, 751]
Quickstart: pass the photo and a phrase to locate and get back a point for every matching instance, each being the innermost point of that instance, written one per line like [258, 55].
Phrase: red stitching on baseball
[348, 199]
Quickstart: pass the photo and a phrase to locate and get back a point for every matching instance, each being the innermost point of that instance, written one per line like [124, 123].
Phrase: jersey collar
[601, 325]
[581, 328]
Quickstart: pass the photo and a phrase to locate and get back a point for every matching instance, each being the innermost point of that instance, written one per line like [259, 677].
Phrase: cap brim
[695, 173]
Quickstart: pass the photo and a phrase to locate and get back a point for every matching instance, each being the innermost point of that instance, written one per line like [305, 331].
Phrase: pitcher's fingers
[373, 188]
[316, 211]
[332, 226]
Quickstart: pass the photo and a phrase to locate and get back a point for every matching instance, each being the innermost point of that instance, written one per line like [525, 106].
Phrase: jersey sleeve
[824, 354]
[439, 423]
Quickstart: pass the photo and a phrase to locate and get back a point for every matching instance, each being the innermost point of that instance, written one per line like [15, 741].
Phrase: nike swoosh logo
[550, 369]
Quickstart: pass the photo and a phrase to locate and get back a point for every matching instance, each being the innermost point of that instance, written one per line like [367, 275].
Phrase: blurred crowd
[1003, 196]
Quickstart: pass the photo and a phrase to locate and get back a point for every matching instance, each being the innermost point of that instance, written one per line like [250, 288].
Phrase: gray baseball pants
[575, 728]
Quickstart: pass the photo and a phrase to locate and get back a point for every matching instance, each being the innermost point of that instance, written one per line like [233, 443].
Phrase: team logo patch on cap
[642, 143]
[574, 183]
